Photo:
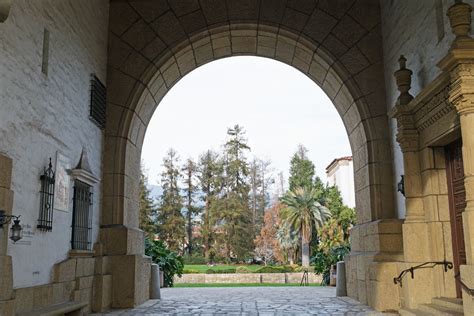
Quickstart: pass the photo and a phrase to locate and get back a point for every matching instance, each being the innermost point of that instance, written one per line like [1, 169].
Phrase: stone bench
[63, 309]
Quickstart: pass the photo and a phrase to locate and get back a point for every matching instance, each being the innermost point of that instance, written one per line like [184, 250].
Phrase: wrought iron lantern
[401, 185]
[16, 229]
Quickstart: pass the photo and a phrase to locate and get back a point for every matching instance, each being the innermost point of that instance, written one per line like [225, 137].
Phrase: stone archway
[4, 9]
[152, 44]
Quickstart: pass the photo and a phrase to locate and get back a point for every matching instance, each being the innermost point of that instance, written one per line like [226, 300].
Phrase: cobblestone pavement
[249, 301]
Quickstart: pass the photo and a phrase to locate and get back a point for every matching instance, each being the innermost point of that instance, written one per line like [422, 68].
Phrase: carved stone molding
[462, 88]
[4, 9]
[435, 109]
[407, 134]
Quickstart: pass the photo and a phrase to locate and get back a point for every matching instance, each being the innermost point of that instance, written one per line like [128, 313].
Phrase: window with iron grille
[45, 220]
[98, 102]
[82, 216]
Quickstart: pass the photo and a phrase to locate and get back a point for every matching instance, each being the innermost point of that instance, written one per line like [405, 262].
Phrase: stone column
[7, 306]
[415, 229]
[408, 138]
[460, 64]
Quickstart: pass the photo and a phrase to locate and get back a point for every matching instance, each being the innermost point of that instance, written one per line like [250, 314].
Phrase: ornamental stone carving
[407, 134]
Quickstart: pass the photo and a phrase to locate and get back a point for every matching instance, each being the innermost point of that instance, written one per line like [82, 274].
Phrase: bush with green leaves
[170, 262]
[242, 269]
[323, 260]
[274, 269]
[194, 259]
[226, 270]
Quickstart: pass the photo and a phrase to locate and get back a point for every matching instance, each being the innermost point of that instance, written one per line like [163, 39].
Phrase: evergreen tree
[147, 208]
[235, 214]
[260, 181]
[190, 189]
[171, 221]
[210, 177]
[301, 170]
[330, 196]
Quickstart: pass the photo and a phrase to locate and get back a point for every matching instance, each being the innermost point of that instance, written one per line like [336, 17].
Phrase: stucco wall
[41, 115]
[343, 177]
[419, 30]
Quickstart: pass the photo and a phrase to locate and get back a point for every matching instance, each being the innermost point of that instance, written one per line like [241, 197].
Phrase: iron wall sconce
[16, 229]
[401, 185]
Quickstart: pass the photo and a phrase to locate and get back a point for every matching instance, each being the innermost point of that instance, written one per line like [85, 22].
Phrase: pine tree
[210, 177]
[301, 170]
[260, 181]
[171, 221]
[236, 215]
[147, 208]
[190, 189]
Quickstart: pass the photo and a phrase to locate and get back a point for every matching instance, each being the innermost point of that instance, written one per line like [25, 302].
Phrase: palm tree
[302, 213]
[288, 240]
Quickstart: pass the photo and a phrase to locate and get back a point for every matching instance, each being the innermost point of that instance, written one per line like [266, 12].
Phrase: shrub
[302, 269]
[194, 259]
[170, 263]
[274, 269]
[242, 269]
[226, 270]
[323, 262]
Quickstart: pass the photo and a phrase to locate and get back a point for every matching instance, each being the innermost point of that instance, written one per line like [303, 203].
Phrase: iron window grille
[98, 102]
[82, 216]
[45, 221]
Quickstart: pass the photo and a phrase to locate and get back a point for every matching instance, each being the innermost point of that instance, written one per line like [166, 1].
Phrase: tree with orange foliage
[267, 246]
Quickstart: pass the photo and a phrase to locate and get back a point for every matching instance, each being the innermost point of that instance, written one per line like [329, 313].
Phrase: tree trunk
[206, 230]
[305, 248]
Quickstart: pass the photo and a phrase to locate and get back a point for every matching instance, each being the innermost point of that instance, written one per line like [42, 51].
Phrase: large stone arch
[152, 44]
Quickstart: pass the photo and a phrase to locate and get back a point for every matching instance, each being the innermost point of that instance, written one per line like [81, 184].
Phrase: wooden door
[457, 203]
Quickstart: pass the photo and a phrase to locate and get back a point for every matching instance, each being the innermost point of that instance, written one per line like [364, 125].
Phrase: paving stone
[250, 301]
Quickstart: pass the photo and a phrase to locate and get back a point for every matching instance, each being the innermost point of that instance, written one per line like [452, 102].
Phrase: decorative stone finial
[83, 163]
[403, 79]
[459, 15]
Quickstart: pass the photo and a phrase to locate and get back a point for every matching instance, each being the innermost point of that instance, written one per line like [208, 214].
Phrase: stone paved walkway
[249, 301]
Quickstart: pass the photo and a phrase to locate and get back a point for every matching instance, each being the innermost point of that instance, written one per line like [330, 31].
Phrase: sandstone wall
[41, 115]
[419, 30]
[246, 278]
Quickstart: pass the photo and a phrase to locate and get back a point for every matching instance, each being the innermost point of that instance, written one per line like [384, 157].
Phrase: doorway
[457, 204]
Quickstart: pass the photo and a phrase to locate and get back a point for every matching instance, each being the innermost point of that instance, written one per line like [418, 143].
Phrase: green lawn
[201, 268]
[250, 268]
[237, 284]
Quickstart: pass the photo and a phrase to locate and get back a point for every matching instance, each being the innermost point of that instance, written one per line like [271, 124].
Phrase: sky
[279, 107]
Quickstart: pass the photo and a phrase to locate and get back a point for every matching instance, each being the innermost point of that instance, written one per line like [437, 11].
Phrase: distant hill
[156, 191]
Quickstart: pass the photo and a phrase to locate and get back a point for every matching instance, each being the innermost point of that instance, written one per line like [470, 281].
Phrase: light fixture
[16, 229]
[401, 185]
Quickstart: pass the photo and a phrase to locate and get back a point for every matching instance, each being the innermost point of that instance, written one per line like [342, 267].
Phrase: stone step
[448, 302]
[413, 312]
[439, 310]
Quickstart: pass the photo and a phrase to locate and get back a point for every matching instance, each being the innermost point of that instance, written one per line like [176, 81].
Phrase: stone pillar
[460, 64]
[416, 248]
[341, 279]
[121, 239]
[7, 305]
[155, 282]
[408, 138]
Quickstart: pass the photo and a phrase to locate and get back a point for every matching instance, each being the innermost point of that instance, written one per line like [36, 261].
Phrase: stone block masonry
[257, 278]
